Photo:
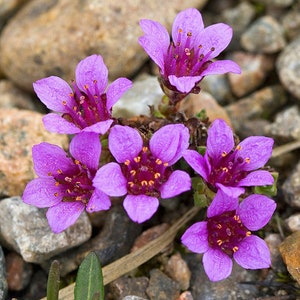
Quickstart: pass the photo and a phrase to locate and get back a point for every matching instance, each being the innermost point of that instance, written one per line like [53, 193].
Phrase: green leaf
[268, 190]
[202, 194]
[89, 280]
[53, 281]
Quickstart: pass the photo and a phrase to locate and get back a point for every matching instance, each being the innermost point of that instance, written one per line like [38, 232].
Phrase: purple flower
[188, 58]
[142, 172]
[231, 168]
[65, 183]
[226, 234]
[88, 106]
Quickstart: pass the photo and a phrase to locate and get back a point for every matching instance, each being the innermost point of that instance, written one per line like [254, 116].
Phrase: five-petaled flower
[88, 107]
[143, 171]
[188, 58]
[65, 182]
[231, 168]
[226, 234]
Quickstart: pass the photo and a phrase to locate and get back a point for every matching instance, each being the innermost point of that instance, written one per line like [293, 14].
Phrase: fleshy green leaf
[202, 194]
[268, 190]
[53, 281]
[89, 280]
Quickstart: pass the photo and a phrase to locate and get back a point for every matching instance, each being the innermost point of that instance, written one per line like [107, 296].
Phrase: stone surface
[290, 252]
[288, 67]
[25, 229]
[291, 23]
[109, 28]
[260, 103]
[286, 125]
[265, 35]
[161, 287]
[293, 222]
[255, 68]
[7, 8]
[291, 187]
[3, 282]
[20, 130]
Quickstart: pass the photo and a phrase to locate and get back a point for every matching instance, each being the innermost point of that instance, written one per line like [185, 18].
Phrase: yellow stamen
[130, 183]
[235, 248]
[59, 171]
[157, 175]
[158, 161]
[219, 242]
[150, 182]
[224, 153]
[145, 149]
[248, 233]
[144, 183]
[166, 164]
[238, 147]
[132, 172]
[78, 198]
[56, 194]
[127, 162]
[225, 169]
[77, 162]
[137, 159]
[247, 160]
[219, 226]
[64, 102]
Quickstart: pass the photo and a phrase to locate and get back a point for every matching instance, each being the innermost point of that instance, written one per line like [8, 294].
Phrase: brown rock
[52, 42]
[290, 252]
[20, 130]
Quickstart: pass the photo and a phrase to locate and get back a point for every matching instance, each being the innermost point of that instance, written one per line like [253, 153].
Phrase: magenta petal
[48, 159]
[184, 84]
[255, 211]
[140, 207]
[222, 203]
[53, 91]
[41, 192]
[253, 253]
[217, 264]
[100, 127]
[188, 21]
[111, 180]
[115, 91]
[219, 140]
[222, 67]
[234, 192]
[178, 182]
[124, 143]
[92, 72]
[155, 41]
[256, 148]
[64, 215]
[197, 162]
[195, 238]
[169, 143]
[86, 148]
[55, 123]
[98, 201]
[257, 178]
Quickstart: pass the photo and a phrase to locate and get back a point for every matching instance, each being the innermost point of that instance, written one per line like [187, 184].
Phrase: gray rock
[288, 67]
[3, 282]
[265, 35]
[291, 23]
[52, 42]
[286, 126]
[293, 222]
[8, 8]
[25, 229]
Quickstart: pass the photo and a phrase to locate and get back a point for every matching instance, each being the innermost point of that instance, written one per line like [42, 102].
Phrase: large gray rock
[53, 36]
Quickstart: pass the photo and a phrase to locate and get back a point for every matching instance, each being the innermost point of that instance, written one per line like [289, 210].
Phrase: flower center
[74, 186]
[226, 231]
[85, 108]
[228, 170]
[145, 174]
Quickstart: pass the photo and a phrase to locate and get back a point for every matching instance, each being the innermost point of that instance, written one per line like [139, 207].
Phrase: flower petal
[55, 123]
[217, 264]
[257, 178]
[169, 142]
[41, 192]
[124, 143]
[100, 127]
[64, 215]
[115, 91]
[92, 72]
[48, 159]
[155, 41]
[178, 182]
[188, 21]
[222, 203]
[140, 207]
[216, 37]
[222, 67]
[195, 238]
[253, 253]
[111, 180]
[53, 91]
[256, 148]
[86, 148]
[231, 191]
[98, 201]
[255, 211]
[219, 139]
[184, 84]
[197, 162]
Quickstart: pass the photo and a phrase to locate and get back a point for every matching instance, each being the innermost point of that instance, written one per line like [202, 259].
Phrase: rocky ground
[40, 38]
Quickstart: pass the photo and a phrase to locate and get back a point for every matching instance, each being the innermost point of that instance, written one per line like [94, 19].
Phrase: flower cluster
[143, 166]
